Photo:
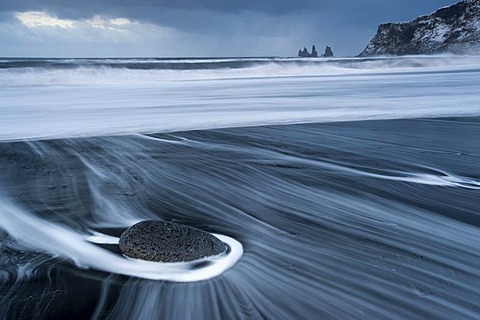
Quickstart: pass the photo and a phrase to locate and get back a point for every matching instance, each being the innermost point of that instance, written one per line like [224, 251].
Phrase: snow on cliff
[453, 29]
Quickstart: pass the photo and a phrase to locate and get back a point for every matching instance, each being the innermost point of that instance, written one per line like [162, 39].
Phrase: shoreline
[363, 197]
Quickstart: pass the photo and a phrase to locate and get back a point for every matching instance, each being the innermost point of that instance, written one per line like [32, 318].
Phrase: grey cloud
[79, 9]
[251, 27]
[85, 8]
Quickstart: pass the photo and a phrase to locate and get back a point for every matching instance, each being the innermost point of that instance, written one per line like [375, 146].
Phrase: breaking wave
[27, 72]
[38, 104]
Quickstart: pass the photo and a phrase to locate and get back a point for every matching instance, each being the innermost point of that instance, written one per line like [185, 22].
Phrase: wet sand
[367, 220]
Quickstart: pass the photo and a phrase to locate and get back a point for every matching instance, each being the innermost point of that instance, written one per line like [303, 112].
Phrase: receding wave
[362, 220]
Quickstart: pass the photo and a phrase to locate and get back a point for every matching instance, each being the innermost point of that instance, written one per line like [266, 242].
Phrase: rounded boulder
[155, 240]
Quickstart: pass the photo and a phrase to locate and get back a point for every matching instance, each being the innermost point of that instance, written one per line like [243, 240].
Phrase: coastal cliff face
[454, 29]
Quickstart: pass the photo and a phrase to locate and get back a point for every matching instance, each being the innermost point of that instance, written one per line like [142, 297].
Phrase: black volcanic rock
[454, 29]
[328, 52]
[155, 240]
[314, 52]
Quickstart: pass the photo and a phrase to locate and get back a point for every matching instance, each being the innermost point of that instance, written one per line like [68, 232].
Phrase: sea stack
[155, 240]
[328, 52]
[454, 29]
[305, 54]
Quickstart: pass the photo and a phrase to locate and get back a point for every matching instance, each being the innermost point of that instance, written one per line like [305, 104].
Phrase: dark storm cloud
[345, 24]
[85, 8]
[201, 15]
[78, 9]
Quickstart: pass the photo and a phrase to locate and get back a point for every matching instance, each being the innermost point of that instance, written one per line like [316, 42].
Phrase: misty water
[344, 188]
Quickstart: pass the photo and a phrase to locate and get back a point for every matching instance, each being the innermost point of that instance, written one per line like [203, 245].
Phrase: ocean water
[345, 188]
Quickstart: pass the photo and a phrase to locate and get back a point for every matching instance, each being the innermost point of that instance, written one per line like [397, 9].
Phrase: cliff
[454, 29]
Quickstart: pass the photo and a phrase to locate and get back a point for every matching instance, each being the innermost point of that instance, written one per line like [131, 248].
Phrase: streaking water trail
[52, 238]
[323, 236]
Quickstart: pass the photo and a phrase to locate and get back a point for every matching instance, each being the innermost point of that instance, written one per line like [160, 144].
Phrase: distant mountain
[454, 29]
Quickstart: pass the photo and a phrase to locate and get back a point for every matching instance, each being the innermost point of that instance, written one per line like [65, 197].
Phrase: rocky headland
[453, 29]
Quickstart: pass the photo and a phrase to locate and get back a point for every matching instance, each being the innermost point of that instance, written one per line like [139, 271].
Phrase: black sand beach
[352, 220]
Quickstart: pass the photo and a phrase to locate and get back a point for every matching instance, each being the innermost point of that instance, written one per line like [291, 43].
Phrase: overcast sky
[195, 28]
